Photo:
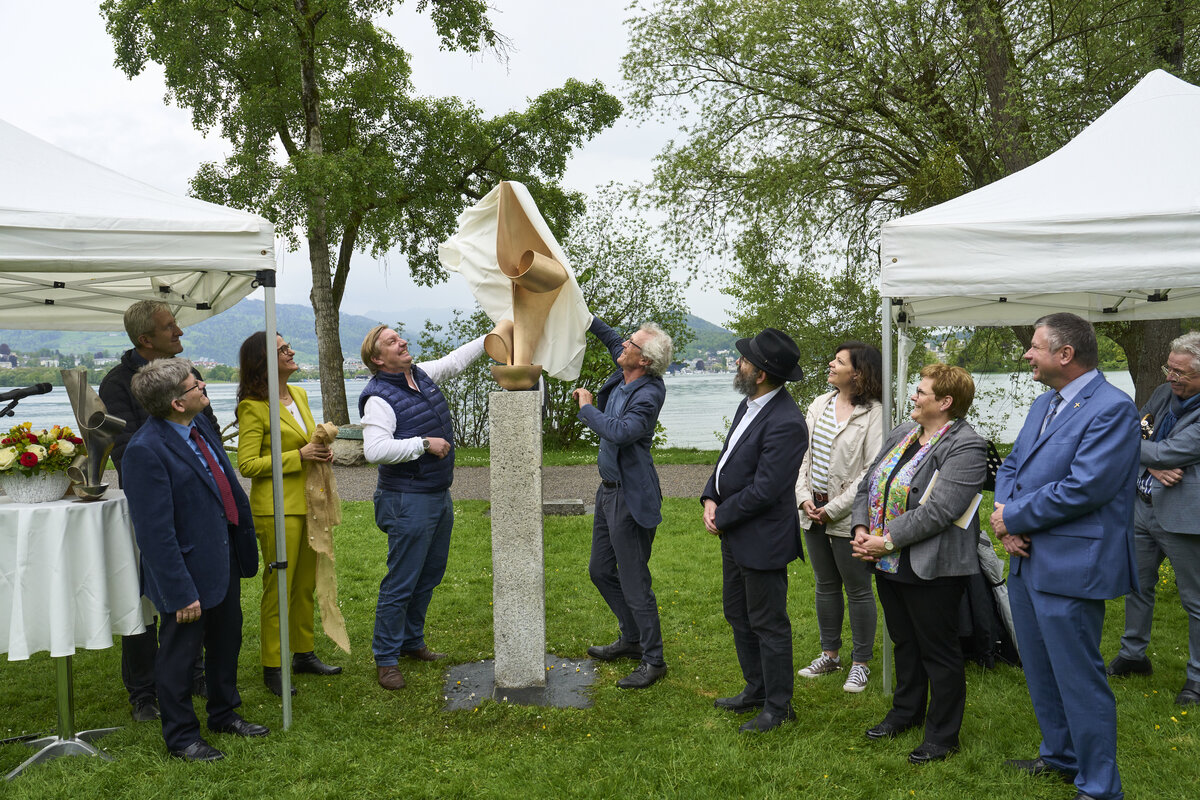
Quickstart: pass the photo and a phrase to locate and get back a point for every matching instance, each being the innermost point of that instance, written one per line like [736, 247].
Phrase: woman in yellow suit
[296, 427]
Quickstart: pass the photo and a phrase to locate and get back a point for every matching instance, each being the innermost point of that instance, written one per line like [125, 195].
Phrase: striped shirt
[822, 445]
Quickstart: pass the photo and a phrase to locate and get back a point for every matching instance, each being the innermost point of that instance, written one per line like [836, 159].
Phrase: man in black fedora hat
[749, 504]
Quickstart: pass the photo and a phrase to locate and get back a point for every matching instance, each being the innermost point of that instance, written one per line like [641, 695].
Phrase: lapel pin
[1077, 405]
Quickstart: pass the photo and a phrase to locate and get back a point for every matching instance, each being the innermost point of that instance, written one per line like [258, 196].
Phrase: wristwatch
[425, 444]
[888, 544]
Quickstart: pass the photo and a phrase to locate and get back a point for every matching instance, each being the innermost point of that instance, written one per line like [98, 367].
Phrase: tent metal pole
[889, 387]
[280, 565]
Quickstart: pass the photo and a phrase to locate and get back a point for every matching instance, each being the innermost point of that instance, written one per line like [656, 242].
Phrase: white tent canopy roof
[1107, 227]
[79, 243]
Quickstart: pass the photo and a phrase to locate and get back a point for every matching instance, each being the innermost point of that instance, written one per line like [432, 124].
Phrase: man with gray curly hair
[195, 532]
[629, 500]
[1164, 521]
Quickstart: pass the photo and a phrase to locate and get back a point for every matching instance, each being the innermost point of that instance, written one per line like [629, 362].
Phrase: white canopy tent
[79, 243]
[1107, 227]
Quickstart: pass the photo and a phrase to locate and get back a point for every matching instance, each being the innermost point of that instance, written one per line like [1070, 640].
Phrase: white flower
[8, 457]
[66, 447]
[38, 451]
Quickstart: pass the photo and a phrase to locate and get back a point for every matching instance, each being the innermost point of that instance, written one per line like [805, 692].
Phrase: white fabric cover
[112, 240]
[68, 576]
[1096, 228]
[471, 252]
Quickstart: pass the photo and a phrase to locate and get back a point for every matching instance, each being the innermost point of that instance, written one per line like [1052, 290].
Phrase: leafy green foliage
[329, 141]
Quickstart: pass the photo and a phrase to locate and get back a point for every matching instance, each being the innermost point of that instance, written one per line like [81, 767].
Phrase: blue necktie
[1055, 402]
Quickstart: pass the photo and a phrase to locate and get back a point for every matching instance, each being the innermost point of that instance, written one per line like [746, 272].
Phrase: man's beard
[746, 384]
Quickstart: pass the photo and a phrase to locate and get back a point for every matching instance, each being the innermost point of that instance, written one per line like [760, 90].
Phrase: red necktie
[226, 491]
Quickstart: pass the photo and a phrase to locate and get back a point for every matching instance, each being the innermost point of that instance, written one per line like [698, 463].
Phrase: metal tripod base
[52, 747]
[67, 741]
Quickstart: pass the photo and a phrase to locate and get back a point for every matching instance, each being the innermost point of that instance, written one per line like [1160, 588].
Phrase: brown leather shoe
[424, 654]
[390, 677]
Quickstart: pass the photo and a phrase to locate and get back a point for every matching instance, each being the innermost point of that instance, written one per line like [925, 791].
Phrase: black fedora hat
[774, 352]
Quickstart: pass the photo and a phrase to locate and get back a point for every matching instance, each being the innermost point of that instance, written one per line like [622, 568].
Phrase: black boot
[273, 678]
[309, 663]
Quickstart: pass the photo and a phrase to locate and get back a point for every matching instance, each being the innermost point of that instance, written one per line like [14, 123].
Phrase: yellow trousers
[301, 585]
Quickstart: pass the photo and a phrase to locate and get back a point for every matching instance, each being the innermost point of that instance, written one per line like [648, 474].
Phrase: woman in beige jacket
[845, 433]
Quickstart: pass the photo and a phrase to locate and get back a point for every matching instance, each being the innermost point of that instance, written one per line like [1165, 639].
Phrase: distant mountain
[218, 338]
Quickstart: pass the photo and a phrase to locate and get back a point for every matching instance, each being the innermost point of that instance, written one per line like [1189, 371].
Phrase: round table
[68, 579]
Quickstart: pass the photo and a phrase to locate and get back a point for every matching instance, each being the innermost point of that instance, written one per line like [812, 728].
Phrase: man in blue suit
[1064, 513]
[629, 501]
[196, 534]
[750, 503]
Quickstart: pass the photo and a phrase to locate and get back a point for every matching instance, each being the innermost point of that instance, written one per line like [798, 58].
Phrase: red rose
[28, 460]
[33, 439]
[6, 440]
[74, 440]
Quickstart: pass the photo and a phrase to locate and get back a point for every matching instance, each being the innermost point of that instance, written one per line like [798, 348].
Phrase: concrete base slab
[567, 684]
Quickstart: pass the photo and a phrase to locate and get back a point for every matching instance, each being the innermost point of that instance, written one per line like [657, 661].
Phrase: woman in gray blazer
[916, 519]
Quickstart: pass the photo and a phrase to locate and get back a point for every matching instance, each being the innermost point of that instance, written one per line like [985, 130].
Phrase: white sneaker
[821, 665]
[856, 681]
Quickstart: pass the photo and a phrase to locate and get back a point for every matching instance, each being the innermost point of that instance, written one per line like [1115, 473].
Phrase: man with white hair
[629, 500]
[1164, 521]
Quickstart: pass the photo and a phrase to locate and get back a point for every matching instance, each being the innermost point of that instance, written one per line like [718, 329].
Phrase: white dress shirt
[753, 406]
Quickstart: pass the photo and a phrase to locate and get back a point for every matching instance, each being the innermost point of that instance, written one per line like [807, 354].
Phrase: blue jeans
[418, 528]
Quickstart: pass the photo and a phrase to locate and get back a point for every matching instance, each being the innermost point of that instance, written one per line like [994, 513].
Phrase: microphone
[17, 394]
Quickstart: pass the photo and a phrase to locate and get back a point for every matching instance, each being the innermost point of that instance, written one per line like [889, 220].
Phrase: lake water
[697, 411]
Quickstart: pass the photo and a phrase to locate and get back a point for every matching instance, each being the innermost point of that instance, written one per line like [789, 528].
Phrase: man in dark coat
[196, 536]
[151, 327]
[629, 501]
[749, 503]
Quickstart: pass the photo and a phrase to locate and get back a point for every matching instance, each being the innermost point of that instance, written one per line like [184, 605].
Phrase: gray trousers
[1151, 545]
[834, 567]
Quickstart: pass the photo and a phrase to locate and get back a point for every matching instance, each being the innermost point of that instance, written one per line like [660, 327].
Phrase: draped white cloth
[68, 576]
[471, 252]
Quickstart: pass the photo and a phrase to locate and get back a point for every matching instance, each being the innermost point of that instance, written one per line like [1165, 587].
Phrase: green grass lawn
[481, 457]
[351, 739]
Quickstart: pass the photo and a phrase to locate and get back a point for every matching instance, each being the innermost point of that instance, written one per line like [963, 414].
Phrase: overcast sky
[60, 84]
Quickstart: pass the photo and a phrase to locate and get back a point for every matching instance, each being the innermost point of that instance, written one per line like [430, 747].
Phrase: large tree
[810, 122]
[329, 140]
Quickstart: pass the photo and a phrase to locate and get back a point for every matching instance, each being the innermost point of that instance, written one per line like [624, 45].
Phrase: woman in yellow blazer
[296, 427]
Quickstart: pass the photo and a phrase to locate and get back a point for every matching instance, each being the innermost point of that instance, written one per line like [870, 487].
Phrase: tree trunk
[1146, 344]
[325, 306]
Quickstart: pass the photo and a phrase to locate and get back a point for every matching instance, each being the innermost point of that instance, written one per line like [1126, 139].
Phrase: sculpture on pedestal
[98, 429]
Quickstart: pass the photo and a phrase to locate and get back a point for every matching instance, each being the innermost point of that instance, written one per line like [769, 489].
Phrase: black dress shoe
[928, 752]
[1121, 666]
[423, 654]
[200, 686]
[766, 721]
[273, 679]
[310, 664]
[738, 704]
[145, 711]
[240, 727]
[890, 730]
[618, 649]
[1189, 695]
[643, 676]
[198, 750]
[1038, 766]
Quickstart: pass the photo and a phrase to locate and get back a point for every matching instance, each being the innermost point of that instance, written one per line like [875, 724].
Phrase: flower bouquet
[33, 466]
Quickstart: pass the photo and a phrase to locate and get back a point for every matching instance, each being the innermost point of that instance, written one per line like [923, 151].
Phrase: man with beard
[749, 503]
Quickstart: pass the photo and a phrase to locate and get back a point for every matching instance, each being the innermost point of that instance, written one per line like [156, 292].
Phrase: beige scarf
[324, 513]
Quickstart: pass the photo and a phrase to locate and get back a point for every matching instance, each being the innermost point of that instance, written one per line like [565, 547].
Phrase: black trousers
[755, 604]
[219, 632]
[922, 619]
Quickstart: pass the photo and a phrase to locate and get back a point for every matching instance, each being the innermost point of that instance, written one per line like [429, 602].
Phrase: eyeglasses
[285, 348]
[629, 340]
[920, 393]
[196, 385]
[1172, 374]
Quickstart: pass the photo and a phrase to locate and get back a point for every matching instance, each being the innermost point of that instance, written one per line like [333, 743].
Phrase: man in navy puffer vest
[407, 431]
